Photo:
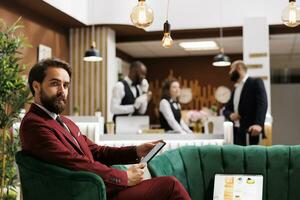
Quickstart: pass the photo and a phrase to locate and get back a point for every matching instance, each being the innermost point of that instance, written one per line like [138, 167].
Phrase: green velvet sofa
[43, 181]
[195, 168]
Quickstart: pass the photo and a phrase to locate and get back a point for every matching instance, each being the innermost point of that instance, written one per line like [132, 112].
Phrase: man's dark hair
[39, 70]
[135, 65]
[166, 89]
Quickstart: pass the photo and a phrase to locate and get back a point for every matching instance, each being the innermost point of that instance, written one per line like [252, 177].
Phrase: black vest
[128, 99]
[177, 114]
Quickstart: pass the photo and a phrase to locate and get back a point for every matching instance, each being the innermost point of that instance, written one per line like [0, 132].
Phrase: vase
[198, 126]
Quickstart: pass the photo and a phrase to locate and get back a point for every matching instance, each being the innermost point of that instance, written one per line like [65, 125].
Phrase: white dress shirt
[237, 95]
[166, 110]
[119, 93]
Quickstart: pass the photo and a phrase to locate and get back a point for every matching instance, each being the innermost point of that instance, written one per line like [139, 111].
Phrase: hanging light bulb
[142, 15]
[221, 60]
[92, 54]
[167, 40]
[291, 14]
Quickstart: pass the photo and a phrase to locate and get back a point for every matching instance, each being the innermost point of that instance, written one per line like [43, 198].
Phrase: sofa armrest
[41, 180]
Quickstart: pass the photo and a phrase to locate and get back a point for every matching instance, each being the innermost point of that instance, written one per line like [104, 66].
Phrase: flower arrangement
[201, 115]
[197, 115]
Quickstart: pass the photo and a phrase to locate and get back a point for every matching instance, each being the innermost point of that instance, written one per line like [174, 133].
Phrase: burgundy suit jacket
[43, 137]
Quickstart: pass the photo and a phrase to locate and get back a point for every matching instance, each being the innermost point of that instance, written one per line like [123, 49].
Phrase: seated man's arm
[113, 155]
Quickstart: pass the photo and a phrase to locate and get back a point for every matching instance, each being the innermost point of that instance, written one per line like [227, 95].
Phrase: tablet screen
[153, 152]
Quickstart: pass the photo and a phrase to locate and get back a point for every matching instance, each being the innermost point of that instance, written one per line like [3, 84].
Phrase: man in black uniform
[130, 94]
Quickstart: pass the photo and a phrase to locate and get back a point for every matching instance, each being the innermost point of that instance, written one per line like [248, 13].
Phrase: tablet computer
[153, 152]
[238, 186]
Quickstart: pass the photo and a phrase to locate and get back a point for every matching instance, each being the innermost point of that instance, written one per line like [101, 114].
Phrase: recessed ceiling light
[199, 46]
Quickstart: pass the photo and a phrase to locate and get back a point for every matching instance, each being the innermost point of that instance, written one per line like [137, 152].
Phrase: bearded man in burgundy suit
[51, 137]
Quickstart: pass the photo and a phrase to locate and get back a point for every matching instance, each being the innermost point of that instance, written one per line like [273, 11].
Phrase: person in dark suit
[130, 95]
[247, 106]
[51, 137]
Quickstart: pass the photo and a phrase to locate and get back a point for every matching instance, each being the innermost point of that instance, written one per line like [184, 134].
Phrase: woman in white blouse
[170, 109]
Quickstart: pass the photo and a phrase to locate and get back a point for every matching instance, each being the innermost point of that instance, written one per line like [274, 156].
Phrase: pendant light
[92, 54]
[167, 40]
[221, 60]
[142, 15]
[291, 14]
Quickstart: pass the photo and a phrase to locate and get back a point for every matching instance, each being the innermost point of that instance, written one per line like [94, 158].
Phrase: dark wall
[38, 30]
[192, 68]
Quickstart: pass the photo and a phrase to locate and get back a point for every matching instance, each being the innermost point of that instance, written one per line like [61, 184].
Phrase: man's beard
[53, 103]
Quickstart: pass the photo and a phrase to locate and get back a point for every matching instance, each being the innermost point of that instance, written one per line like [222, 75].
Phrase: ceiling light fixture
[142, 15]
[221, 60]
[167, 40]
[291, 14]
[199, 45]
[92, 54]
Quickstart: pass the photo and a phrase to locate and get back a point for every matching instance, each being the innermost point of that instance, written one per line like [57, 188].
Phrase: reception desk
[172, 140]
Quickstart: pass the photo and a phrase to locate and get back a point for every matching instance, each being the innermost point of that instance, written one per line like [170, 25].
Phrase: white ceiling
[284, 49]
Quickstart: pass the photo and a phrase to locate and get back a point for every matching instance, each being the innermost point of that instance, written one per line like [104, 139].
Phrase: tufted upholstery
[43, 181]
[195, 168]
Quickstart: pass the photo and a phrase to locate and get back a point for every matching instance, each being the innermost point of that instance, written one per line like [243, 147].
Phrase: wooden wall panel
[89, 81]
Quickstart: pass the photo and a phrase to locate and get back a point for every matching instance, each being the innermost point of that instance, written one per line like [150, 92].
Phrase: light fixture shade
[221, 60]
[291, 14]
[142, 15]
[92, 55]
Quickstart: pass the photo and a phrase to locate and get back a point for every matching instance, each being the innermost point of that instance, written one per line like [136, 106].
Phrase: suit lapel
[243, 94]
[56, 126]
[68, 135]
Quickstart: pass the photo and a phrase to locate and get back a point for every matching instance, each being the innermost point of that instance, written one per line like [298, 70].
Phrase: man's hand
[135, 174]
[234, 117]
[143, 149]
[255, 130]
[140, 100]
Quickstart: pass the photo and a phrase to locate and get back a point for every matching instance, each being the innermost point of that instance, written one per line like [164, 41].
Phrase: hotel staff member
[170, 109]
[130, 94]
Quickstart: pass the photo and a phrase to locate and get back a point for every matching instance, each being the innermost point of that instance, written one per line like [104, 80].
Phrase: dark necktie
[137, 91]
[58, 119]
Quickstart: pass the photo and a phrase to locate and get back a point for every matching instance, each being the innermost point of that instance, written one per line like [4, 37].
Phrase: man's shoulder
[32, 121]
[120, 84]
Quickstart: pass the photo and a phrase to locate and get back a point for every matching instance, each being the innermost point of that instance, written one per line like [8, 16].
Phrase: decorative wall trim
[254, 66]
[260, 54]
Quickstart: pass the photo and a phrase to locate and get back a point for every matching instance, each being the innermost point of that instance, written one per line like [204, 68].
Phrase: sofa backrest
[195, 167]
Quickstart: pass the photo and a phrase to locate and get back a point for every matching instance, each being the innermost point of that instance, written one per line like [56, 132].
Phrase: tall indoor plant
[14, 94]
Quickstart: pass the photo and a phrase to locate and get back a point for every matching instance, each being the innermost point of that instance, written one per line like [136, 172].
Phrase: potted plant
[14, 93]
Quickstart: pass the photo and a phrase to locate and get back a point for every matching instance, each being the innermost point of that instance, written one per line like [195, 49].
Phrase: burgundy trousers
[160, 188]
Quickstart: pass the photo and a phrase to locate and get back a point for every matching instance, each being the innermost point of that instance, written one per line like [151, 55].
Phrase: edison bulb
[142, 15]
[291, 15]
[167, 40]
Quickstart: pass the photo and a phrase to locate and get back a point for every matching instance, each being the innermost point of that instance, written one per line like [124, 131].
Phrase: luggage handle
[248, 138]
